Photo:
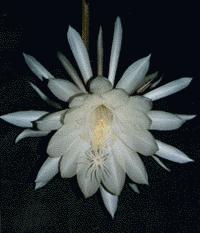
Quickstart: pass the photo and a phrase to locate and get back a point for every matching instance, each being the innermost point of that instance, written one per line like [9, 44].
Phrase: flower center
[101, 124]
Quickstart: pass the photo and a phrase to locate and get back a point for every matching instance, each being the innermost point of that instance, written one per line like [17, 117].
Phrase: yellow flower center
[101, 125]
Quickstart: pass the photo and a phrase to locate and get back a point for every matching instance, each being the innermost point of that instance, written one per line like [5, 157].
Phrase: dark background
[168, 30]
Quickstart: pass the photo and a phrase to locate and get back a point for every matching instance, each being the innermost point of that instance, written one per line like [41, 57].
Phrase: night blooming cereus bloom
[100, 135]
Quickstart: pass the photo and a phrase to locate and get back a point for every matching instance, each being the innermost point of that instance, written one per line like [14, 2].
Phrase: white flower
[100, 135]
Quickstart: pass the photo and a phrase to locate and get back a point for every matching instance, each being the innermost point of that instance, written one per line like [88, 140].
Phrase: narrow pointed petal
[130, 162]
[115, 51]
[23, 118]
[39, 70]
[80, 53]
[164, 120]
[134, 187]
[110, 201]
[63, 89]
[44, 97]
[134, 75]
[168, 89]
[186, 117]
[69, 161]
[114, 180]
[71, 71]
[30, 133]
[155, 84]
[39, 185]
[48, 170]
[52, 121]
[161, 163]
[148, 79]
[100, 53]
[171, 153]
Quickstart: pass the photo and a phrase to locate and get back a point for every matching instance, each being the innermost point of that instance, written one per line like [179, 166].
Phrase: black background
[168, 30]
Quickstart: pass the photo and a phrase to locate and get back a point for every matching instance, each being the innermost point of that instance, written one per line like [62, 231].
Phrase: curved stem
[85, 22]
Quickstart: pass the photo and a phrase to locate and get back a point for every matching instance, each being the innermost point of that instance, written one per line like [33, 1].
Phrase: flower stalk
[85, 22]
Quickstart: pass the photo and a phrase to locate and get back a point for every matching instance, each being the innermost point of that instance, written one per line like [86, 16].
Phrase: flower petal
[168, 89]
[80, 53]
[44, 97]
[164, 120]
[100, 53]
[130, 162]
[186, 117]
[62, 140]
[114, 180]
[110, 201]
[48, 170]
[134, 75]
[134, 187]
[87, 183]
[115, 98]
[148, 79]
[160, 163]
[71, 71]
[171, 153]
[140, 103]
[30, 133]
[63, 89]
[115, 51]
[68, 165]
[139, 140]
[23, 118]
[132, 118]
[77, 101]
[37, 68]
[52, 121]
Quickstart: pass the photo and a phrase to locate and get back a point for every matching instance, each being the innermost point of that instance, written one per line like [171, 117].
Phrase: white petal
[63, 89]
[80, 53]
[100, 85]
[160, 163]
[37, 68]
[140, 103]
[171, 153]
[71, 71]
[68, 165]
[134, 75]
[110, 201]
[48, 170]
[168, 89]
[44, 97]
[23, 118]
[134, 187]
[139, 140]
[114, 180]
[115, 98]
[30, 133]
[164, 120]
[62, 140]
[132, 118]
[131, 163]
[87, 183]
[100, 53]
[52, 121]
[115, 51]
[78, 100]
[186, 117]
